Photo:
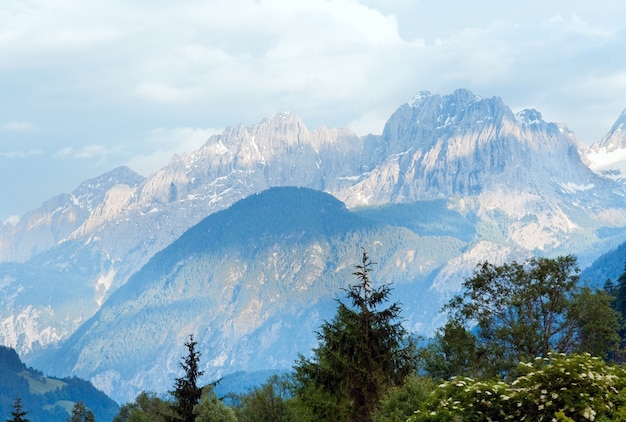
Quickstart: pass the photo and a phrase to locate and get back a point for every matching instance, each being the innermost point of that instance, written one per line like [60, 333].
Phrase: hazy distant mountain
[609, 266]
[463, 172]
[124, 223]
[58, 217]
[608, 157]
[252, 283]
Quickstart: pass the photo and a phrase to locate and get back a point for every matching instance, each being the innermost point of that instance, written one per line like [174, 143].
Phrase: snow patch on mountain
[103, 285]
[570, 187]
[611, 164]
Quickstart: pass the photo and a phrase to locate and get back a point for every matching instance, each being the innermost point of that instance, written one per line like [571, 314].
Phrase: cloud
[19, 126]
[332, 62]
[162, 93]
[21, 154]
[12, 220]
[87, 152]
[161, 144]
[97, 76]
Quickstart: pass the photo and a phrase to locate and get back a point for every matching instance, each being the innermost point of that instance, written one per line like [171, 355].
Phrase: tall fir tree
[18, 412]
[186, 391]
[362, 352]
[80, 413]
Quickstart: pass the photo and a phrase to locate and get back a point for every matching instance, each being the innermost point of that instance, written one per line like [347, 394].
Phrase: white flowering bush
[554, 388]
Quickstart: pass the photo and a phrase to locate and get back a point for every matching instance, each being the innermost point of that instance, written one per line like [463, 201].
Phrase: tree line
[522, 341]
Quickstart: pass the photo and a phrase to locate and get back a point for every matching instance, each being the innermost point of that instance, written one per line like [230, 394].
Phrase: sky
[86, 86]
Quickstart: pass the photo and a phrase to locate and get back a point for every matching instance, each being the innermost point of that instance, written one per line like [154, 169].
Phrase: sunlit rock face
[452, 179]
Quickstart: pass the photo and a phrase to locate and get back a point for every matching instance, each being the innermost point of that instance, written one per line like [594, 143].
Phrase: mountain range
[247, 242]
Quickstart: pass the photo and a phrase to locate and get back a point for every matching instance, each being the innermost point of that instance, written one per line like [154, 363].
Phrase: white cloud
[12, 220]
[19, 126]
[161, 93]
[95, 74]
[161, 144]
[21, 153]
[87, 152]
[329, 61]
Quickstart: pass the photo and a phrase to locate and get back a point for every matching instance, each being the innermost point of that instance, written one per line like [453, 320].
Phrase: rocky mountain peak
[608, 157]
[517, 180]
[428, 118]
[58, 217]
[529, 116]
[616, 137]
[91, 192]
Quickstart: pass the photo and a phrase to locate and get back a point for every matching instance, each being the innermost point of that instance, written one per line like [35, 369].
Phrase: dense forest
[522, 341]
[41, 398]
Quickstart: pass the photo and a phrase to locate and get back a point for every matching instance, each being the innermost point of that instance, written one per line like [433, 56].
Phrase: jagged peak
[462, 95]
[529, 116]
[281, 118]
[121, 174]
[418, 99]
[459, 96]
[616, 137]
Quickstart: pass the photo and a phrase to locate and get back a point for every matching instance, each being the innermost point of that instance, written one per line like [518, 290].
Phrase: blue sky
[88, 86]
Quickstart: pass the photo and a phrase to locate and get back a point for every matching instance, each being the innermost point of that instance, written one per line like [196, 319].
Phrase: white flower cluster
[555, 387]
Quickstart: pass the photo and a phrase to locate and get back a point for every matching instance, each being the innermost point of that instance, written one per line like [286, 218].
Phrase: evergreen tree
[362, 352]
[80, 413]
[619, 291]
[18, 413]
[186, 391]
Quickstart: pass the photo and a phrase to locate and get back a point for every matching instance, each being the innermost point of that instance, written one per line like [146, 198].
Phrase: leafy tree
[362, 352]
[269, 402]
[211, 409]
[186, 391]
[453, 351]
[18, 413]
[530, 309]
[80, 413]
[400, 402]
[599, 325]
[147, 407]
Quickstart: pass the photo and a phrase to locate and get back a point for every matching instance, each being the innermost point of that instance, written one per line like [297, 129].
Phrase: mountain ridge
[458, 175]
[225, 290]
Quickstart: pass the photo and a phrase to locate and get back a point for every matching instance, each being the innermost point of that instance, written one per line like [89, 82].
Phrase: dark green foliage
[401, 402]
[18, 413]
[9, 360]
[42, 396]
[81, 414]
[186, 391]
[426, 218]
[211, 409]
[147, 407]
[270, 402]
[453, 351]
[522, 311]
[362, 352]
[599, 325]
[618, 291]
